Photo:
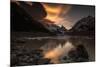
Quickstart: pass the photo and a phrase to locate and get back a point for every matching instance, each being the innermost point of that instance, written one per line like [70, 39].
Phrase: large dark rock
[79, 55]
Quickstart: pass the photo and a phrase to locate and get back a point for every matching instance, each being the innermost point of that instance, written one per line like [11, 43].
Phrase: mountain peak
[84, 24]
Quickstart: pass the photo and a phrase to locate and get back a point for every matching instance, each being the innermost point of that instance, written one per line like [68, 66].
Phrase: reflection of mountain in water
[72, 49]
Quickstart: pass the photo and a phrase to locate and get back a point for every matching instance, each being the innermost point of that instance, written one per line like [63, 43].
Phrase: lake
[61, 49]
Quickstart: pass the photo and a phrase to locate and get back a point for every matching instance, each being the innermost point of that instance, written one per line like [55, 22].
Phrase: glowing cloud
[57, 13]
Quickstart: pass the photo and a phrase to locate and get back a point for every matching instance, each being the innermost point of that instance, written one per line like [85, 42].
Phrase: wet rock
[44, 61]
[24, 56]
[79, 55]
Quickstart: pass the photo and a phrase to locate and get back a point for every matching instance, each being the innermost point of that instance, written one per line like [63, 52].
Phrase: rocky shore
[21, 56]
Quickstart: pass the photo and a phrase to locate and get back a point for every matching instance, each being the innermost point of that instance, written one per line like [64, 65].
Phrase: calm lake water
[62, 49]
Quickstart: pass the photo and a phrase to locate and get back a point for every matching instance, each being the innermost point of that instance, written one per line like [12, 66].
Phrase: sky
[79, 11]
[68, 14]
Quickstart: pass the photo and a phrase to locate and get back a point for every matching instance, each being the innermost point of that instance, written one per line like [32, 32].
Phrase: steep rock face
[21, 20]
[85, 24]
[28, 18]
[35, 9]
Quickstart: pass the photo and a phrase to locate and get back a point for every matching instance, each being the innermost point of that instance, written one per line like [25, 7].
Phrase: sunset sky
[61, 14]
[67, 14]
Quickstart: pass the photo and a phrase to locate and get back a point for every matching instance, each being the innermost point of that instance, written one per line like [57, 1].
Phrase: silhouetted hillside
[26, 18]
[85, 24]
[22, 21]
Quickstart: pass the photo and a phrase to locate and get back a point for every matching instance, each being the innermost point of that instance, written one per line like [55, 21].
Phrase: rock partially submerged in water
[78, 55]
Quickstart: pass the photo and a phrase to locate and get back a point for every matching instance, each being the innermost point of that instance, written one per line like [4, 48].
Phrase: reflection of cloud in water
[68, 50]
[65, 49]
[58, 52]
